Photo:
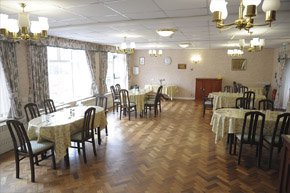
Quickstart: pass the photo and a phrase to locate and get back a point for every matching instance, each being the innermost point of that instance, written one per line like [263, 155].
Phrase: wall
[215, 63]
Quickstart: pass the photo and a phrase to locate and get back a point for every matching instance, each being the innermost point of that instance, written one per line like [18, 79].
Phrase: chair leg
[203, 111]
[235, 144]
[240, 153]
[53, 159]
[120, 112]
[270, 158]
[32, 169]
[79, 148]
[231, 140]
[99, 136]
[113, 107]
[260, 154]
[129, 112]
[94, 145]
[106, 130]
[84, 152]
[17, 165]
[135, 112]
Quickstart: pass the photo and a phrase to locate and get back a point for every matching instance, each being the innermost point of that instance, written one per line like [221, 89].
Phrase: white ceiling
[108, 21]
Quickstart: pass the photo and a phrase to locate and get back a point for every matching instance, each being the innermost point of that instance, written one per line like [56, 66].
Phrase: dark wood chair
[251, 96]
[235, 87]
[115, 98]
[282, 126]
[117, 89]
[23, 147]
[101, 101]
[206, 102]
[31, 111]
[243, 89]
[228, 88]
[243, 103]
[49, 106]
[86, 134]
[266, 104]
[252, 133]
[126, 106]
[154, 103]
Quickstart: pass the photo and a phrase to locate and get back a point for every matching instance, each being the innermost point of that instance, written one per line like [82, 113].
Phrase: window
[68, 75]
[5, 102]
[117, 72]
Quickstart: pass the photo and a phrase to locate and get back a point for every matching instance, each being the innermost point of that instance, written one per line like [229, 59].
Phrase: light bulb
[160, 52]
[271, 5]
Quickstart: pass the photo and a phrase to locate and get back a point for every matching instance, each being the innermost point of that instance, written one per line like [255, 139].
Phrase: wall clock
[167, 60]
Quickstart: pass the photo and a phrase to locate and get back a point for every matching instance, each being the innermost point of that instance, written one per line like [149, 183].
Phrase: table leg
[66, 158]
[99, 136]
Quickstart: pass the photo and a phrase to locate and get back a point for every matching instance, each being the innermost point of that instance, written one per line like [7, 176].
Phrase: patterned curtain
[283, 55]
[92, 65]
[103, 72]
[9, 62]
[128, 58]
[38, 74]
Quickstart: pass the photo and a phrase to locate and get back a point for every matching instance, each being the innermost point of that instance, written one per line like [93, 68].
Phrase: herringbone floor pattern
[172, 153]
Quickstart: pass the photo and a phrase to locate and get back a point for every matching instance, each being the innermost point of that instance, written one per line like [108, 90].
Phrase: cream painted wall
[214, 63]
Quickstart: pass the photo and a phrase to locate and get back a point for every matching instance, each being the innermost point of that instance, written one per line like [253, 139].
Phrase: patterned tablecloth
[230, 120]
[226, 99]
[139, 98]
[169, 90]
[59, 126]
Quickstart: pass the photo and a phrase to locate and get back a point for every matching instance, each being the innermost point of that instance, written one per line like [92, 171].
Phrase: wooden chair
[126, 105]
[282, 126]
[101, 101]
[266, 104]
[252, 133]
[154, 103]
[235, 87]
[49, 106]
[31, 111]
[227, 88]
[115, 98]
[243, 103]
[86, 134]
[242, 89]
[23, 147]
[117, 89]
[206, 102]
[250, 95]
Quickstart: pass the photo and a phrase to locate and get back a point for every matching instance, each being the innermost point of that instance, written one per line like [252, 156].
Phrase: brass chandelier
[23, 28]
[247, 12]
[126, 49]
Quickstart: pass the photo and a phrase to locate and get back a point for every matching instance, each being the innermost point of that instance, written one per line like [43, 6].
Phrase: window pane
[69, 75]
[4, 96]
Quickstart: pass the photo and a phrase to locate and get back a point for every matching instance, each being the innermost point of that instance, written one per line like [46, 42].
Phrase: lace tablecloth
[139, 98]
[59, 126]
[169, 90]
[226, 99]
[230, 120]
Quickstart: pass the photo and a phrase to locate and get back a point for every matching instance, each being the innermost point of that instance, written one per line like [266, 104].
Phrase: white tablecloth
[230, 120]
[59, 126]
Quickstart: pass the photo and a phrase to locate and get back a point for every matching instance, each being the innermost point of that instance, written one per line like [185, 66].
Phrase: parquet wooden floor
[172, 153]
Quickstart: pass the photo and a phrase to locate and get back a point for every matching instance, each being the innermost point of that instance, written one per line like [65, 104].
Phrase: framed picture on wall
[181, 66]
[239, 64]
[141, 60]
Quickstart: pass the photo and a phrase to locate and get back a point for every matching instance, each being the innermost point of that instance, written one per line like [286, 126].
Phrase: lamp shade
[166, 32]
[225, 11]
[43, 23]
[35, 27]
[23, 19]
[217, 5]
[271, 5]
[13, 25]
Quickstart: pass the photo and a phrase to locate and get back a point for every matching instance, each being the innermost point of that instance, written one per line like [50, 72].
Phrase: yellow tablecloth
[59, 126]
[169, 90]
[139, 97]
[230, 120]
[257, 90]
[225, 99]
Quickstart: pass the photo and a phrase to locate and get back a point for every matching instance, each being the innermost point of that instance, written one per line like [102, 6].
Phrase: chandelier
[155, 53]
[23, 28]
[125, 49]
[247, 12]
[235, 52]
[256, 44]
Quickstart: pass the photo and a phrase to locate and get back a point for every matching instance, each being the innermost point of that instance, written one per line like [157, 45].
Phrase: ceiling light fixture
[155, 53]
[166, 32]
[256, 44]
[124, 48]
[196, 58]
[247, 12]
[23, 28]
[184, 45]
[235, 52]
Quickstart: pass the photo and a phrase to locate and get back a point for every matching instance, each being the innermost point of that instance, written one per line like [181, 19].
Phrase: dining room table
[230, 121]
[227, 99]
[168, 89]
[139, 97]
[58, 127]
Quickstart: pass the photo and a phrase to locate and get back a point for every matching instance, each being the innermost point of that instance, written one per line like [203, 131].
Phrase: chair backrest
[251, 96]
[227, 88]
[113, 92]
[19, 137]
[235, 87]
[158, 95]
[204, 97]
[88, 123]
[266, 90]
[253, 125]
[242, 102]
[243, 89]
[31, 111]
[49, 106]
[117, 89]
[266, 104]
[102, 101]
[274, 92]
[282, 126]
[124, 98]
